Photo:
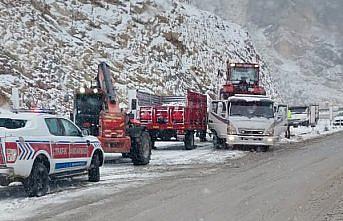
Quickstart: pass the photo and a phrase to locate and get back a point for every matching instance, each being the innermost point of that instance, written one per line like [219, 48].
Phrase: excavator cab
[241, 78]
[87, 108]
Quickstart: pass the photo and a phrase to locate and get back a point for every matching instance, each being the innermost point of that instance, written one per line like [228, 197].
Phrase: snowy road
[303, 182]
[126, 189]
[118, 174]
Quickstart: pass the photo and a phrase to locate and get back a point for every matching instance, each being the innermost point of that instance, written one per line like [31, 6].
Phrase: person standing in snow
[288, 132]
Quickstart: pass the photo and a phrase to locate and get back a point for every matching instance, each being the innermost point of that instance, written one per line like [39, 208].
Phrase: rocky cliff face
[300, 39]
[51, 47]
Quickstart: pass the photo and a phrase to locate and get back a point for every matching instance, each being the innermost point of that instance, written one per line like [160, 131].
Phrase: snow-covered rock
[51, 47]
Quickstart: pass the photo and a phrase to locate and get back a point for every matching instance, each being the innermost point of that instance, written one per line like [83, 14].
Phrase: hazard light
[82, 90]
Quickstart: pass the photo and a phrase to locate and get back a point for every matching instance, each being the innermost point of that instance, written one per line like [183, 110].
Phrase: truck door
[281, 121]
[213, 110]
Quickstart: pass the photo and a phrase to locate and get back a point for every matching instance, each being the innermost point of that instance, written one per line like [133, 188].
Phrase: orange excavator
[96, 110]
[242, 78]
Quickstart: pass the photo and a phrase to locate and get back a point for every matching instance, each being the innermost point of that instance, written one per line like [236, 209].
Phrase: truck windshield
[298, 110]
[252, 109]
[239, 74]
[86, 104]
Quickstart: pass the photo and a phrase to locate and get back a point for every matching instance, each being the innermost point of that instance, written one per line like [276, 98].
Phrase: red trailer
[166, 117]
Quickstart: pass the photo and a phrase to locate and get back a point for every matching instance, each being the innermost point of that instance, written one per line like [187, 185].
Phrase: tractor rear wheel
[141, 149]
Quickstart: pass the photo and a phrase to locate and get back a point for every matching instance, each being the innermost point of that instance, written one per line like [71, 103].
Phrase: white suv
[35, 147]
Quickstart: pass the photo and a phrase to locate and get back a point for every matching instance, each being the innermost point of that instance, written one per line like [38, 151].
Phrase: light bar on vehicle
[35, 110]
[82, 90]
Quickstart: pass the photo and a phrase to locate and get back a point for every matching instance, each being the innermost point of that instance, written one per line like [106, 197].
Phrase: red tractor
[96, 109]
[242, 78]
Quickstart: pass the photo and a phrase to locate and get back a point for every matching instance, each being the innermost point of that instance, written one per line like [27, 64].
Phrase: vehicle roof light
[82, 90]
[232, 65]
[256, 65]
[95, 90]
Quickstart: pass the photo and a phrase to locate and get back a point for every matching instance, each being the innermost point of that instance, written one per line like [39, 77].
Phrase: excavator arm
[104, 81]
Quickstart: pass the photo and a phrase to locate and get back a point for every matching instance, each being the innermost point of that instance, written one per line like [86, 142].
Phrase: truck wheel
[94, 170]
[262, 149]
[203, 136]
[37, 184]
[217, 142]
[265, 149]
[189, 140]
[141, 149]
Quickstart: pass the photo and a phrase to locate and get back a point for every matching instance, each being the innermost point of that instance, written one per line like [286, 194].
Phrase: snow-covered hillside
[301, 41]
[51, 47]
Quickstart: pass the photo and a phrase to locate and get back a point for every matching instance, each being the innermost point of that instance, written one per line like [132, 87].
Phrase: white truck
[247, 120]
[304, 116]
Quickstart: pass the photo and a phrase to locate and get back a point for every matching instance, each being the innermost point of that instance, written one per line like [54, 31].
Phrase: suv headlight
[231, 130]
[270, 131]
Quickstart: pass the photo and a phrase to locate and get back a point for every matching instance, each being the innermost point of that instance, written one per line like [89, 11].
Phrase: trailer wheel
[217, 142]
[141, 149]
[37, 184]
[189, 140]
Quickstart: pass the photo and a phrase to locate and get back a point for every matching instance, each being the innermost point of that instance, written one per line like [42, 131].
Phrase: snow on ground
[168, 153]
[305, 133]
[117, 174]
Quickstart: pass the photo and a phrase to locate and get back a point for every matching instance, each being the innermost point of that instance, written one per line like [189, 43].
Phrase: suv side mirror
[85, 132]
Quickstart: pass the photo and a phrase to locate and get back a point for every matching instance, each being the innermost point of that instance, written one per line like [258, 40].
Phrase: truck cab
[242, 78]
[247, 120]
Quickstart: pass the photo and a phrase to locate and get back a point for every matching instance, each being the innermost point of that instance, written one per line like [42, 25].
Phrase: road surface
[298, 182]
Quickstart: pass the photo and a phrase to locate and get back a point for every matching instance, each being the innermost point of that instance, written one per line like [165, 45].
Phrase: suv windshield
[86, 104]
[12, 123]
[239, 74]
[252, 109]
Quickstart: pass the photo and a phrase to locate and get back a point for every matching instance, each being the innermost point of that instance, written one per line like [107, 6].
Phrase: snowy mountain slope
[49, 48]
[300, 39]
